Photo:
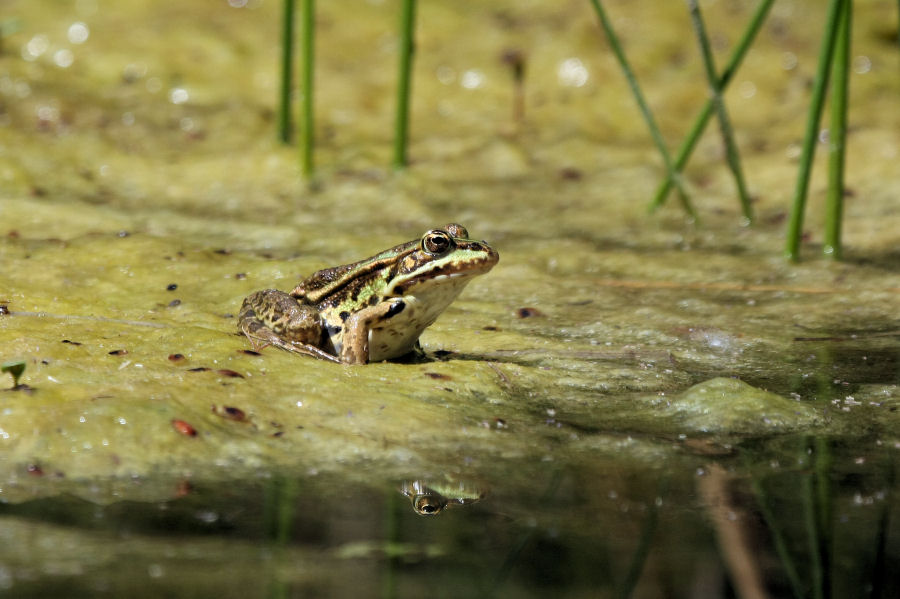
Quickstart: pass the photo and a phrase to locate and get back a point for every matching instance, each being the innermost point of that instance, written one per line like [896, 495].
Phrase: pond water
[800, 516]
[627, 405]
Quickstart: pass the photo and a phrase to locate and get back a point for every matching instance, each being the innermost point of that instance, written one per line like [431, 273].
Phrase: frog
[429, 497]
[371, 310]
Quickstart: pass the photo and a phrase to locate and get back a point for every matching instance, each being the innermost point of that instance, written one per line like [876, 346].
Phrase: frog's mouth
[450, 283]
[441, 274]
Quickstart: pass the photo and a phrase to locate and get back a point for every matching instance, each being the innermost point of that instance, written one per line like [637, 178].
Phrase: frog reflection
[430, 498]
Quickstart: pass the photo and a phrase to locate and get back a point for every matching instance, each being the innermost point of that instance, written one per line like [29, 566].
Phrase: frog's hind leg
[272, 317]
[261, 337]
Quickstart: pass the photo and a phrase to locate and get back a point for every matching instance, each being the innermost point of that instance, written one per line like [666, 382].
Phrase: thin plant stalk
[404, 82]
[811, 522]
[826, 53]
[824, 511]
[515, 60]
[673, 175]
[279, 506]
[834, 200]
[392, 537]
[787, 563]
[731, 151]
[693, 136]
[882, 564]
[286, 508]
[512, 556]
[645, 542]
[287, 72]
[307, 136]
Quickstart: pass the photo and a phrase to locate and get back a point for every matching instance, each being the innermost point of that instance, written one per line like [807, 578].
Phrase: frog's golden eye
[427, 505]
[437, 242]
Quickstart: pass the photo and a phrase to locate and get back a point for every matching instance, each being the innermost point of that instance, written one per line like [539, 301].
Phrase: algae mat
[143, 196]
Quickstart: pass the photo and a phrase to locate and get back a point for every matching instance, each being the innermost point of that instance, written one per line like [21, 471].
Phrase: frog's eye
[437, 242]
[428, 506]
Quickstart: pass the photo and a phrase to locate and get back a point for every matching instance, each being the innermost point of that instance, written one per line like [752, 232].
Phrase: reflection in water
[430, 498]
[786, 517]
[730, 523]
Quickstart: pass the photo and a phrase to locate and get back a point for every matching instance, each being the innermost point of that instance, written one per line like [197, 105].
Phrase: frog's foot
[257, 344]
[257, 333]
[262, 337]
[272, 317]
[282, 331]
[417, 355]
[306, 349]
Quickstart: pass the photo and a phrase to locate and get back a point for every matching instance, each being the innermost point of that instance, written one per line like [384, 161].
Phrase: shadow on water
[794, 516]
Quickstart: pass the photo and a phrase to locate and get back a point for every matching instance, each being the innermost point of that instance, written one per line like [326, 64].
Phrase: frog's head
[432, 269]
[444, 259]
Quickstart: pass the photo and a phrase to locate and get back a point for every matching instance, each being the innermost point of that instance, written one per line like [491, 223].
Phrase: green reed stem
[645, 543]
[672, 174]
[404, 82]
[824, 510]
[307, 39]
[512, 556]
[883, 565]
[392, 537]
[731, 151]
[286, 509]
[811, 523]
[826, 53]
[834, 200]
[693, 136]
[287, 72]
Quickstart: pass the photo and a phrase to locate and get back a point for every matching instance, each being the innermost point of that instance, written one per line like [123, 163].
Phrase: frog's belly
[389, 344]
[392, 338]
[398, 337]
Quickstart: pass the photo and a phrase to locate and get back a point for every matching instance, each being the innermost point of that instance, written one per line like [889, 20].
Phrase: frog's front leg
[272, 317]
[355, 347]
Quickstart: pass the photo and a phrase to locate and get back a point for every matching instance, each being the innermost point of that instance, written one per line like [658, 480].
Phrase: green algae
[731, 406]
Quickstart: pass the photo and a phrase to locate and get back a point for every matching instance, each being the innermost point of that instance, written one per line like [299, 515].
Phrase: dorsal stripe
[315, 295]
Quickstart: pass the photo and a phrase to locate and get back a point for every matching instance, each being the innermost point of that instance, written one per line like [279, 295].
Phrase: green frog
[370, 310]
